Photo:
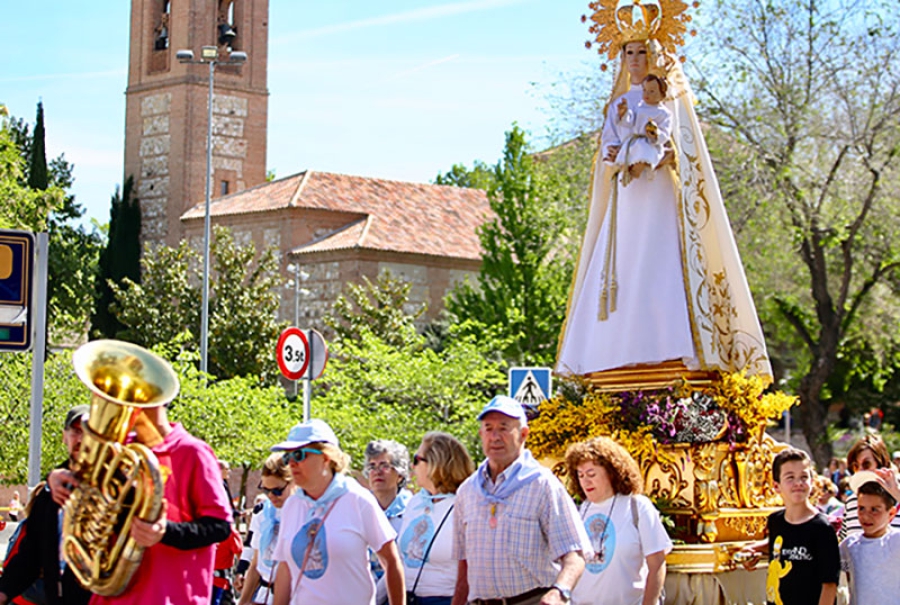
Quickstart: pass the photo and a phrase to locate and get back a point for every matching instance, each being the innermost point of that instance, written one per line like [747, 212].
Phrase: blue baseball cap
[304, 433]
[506, 406]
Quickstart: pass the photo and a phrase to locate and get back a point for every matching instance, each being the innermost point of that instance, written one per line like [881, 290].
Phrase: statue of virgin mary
[659, 280]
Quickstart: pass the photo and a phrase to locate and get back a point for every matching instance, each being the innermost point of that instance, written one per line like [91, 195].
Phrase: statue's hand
[622, 108]
[611, 152]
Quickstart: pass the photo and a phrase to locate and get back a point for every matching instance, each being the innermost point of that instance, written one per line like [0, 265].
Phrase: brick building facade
[339, 228]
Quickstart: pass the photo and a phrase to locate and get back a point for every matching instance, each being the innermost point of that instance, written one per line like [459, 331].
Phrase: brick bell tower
[166, 106]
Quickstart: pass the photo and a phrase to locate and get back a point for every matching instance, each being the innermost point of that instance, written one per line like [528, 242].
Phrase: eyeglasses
[273, 491]
[298, 455]
[381, 467]
[417, 459]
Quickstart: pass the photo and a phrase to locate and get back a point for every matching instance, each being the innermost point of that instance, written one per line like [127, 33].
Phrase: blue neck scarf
[270, 520]
[399, 504]
[427, 500]
[335, 489]
[519, 474]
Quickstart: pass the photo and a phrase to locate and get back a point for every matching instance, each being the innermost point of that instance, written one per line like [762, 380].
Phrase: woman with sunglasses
[277, 485]
[441, 463]
[328, 526]
[869, 454]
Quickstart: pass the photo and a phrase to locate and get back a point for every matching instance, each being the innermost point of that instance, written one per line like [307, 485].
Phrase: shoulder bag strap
[428, 549]
[309, 547]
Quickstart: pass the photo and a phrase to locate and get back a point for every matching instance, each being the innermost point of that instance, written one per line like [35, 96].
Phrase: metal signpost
[302, 355]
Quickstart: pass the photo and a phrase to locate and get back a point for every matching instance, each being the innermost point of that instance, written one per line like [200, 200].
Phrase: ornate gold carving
[747, 525]
[617, 22]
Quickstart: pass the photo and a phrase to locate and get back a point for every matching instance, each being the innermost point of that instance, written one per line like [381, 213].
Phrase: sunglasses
[417, 459]
[299, 455]
[274, 491]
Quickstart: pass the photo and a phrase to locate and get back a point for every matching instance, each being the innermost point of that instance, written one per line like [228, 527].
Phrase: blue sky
[396, 89]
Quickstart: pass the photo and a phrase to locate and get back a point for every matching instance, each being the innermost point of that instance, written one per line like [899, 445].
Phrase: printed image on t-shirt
[269, 554]
[603, 540]
[415, 540]
[317, 561]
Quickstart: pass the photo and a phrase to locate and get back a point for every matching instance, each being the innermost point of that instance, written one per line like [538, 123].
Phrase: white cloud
[419, 14]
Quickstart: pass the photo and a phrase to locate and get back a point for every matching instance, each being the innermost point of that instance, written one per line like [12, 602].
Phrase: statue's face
[636, 61]
[652, 93]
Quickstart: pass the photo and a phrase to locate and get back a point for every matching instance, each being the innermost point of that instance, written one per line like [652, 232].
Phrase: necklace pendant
[492, 522]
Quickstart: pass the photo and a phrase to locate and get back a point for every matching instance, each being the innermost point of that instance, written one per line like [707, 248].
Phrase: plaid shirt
[537, 525]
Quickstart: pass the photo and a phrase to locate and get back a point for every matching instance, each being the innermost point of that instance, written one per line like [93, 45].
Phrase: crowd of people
[507, 531]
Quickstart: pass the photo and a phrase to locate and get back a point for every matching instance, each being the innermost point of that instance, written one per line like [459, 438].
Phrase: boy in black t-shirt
[804, 560]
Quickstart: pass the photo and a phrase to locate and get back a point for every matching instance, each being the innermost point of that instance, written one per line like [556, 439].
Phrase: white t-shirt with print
[617, 571]
[337, 570]
[420, 522]
[266, 572]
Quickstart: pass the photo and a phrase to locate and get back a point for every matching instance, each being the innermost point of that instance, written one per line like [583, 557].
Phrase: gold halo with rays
[665, 21]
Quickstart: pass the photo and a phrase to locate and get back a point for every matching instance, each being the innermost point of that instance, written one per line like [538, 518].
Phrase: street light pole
[209, 55]
[299, 275]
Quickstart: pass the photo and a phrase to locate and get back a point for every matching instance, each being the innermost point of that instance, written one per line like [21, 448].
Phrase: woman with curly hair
[630, 544]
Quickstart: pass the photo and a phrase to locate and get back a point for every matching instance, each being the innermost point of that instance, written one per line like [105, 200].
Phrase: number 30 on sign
[293, 353]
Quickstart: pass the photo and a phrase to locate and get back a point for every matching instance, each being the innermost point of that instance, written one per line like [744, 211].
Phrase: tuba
[118, 482]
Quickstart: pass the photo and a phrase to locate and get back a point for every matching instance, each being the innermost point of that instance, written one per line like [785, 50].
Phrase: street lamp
[209, 55]
[299, 276]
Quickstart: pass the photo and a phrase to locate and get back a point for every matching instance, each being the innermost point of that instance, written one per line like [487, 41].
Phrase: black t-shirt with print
[802, 557]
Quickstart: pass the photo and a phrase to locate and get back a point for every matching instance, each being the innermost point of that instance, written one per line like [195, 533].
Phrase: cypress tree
[120, 259]
[38, 175]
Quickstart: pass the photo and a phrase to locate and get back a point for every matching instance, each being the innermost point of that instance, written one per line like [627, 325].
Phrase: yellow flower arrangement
[641, 421]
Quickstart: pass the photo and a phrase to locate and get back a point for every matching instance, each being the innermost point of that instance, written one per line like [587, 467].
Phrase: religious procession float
[662, 348]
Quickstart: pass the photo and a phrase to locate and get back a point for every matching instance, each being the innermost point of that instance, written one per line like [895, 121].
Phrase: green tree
[22, 207]
[73, 247]
[373, 389]
[527, 261]
[120, 259]
[62, 390]
[808, 90]
[243, 304]
[38, 176]
[381, 307]
[480, 176]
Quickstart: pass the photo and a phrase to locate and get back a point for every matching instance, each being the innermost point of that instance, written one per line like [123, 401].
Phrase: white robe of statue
[682, 293]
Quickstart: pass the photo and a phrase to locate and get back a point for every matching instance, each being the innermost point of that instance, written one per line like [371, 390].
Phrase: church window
[226, 29]
[161, 31]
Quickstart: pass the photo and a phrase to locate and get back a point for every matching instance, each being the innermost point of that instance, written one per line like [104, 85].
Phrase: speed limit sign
[293, 353]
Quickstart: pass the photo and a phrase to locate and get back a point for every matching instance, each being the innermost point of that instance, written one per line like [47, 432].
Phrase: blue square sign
[16, 274]
[530, 387]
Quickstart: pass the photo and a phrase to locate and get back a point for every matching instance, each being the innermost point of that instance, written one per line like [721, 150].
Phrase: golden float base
[718, 496]
[640, 377]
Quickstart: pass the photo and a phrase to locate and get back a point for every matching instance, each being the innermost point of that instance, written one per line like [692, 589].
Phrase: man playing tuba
[177, 563]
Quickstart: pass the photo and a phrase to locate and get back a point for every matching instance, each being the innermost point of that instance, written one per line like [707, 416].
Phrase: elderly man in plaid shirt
[518, 540]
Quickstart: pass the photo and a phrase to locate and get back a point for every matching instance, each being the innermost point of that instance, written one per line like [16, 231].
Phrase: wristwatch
[564, 592]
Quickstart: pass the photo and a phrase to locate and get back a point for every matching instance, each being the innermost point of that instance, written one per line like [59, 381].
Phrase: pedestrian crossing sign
[530, 386]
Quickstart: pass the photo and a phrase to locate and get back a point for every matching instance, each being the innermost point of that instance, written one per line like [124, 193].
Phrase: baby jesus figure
[648, 127]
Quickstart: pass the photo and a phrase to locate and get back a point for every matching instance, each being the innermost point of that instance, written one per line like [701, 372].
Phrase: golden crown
[617, 22]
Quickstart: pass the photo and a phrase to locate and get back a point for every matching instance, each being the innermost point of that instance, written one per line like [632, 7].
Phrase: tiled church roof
[405, 217]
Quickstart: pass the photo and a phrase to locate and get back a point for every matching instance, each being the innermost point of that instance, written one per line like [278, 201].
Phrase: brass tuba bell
[118, 482]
